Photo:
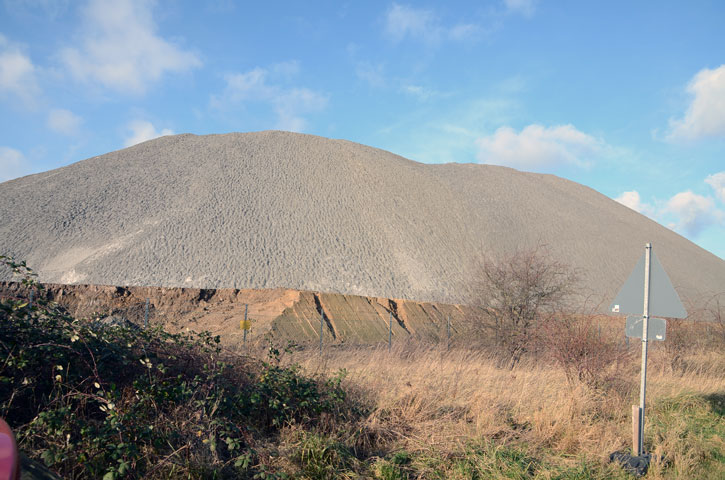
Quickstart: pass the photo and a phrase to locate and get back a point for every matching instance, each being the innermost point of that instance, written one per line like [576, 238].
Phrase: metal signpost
[648, 290]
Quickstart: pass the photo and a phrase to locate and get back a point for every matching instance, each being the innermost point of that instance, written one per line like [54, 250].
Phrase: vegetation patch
[94, 399]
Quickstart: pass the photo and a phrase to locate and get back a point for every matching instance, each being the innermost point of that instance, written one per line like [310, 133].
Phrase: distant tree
[516, 292]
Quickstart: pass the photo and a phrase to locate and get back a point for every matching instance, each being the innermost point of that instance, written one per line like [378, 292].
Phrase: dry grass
[430, 401]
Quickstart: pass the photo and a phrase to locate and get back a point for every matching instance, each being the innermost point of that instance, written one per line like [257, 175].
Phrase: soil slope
[279, 314]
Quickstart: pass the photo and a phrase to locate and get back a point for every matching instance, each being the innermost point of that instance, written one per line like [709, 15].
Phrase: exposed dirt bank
[280, 313]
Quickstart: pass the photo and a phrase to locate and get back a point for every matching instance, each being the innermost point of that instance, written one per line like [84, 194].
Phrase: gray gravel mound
[278, 209]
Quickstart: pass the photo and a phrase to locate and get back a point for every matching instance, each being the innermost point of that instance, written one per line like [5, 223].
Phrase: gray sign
[656, 327]
[663, 299]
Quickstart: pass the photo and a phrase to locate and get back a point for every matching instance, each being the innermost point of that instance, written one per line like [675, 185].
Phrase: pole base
[637, 465]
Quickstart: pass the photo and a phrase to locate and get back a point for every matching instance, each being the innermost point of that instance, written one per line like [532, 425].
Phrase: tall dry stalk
[427, 399]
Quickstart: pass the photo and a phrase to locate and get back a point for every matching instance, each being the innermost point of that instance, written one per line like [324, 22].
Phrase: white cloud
[291, 103]
[717, 182]
[694, 212]
[419, 92]
[372, 74]
[143, 130]
[249, 85]
[64, 121]
[120, 48]
[538, 148]
[402, 21]
[705, 117]
[633, 201]
[288, 103]
[523, 7]
[12, 164]
[464, 31]
[286, 69]
[423, 24]
[17, 74]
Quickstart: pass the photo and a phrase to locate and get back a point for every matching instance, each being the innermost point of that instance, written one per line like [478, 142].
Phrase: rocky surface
[275, 209]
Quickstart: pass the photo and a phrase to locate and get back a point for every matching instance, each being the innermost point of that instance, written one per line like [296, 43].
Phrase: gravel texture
[277, 209]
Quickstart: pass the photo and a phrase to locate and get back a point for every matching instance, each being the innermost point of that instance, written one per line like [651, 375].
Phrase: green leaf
[48, 458]
[110, 475]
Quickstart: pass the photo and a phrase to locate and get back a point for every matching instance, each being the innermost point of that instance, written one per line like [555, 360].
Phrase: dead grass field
[435, 404]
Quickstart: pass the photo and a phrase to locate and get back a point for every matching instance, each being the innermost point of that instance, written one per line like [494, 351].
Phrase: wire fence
[310, 323]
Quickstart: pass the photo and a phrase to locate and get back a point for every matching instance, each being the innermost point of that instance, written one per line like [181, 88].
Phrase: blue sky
[627, 98]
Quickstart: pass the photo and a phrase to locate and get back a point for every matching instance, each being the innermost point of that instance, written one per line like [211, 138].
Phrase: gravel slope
[278, 209]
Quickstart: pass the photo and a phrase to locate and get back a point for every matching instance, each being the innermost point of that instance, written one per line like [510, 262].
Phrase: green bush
[100, 401]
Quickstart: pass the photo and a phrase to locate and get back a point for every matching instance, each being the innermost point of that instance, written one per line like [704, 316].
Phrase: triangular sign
[663, 299]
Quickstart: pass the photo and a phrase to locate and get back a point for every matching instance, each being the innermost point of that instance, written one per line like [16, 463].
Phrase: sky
[627, 98]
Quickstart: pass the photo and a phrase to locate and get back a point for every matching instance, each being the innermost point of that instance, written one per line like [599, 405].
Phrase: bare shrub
[679, 343]
[574, 344]
[515, 292]
[715, 313]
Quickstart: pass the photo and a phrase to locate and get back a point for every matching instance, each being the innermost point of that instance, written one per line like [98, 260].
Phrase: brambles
[99, 401]
[576, 345]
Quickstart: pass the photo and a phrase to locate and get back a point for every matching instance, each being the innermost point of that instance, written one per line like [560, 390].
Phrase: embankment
[282, 314]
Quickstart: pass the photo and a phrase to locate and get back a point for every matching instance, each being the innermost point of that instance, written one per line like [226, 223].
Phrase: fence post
[322, 321]
[390, 331]
[146, 315]
[636, 430]
[30, 300]
[246, 306]
[448, 328]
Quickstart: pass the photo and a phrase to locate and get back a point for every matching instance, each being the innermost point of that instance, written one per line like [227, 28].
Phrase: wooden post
[636, 419]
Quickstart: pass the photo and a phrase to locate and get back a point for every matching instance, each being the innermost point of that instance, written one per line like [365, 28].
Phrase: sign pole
[646, 295]
[639, 450]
